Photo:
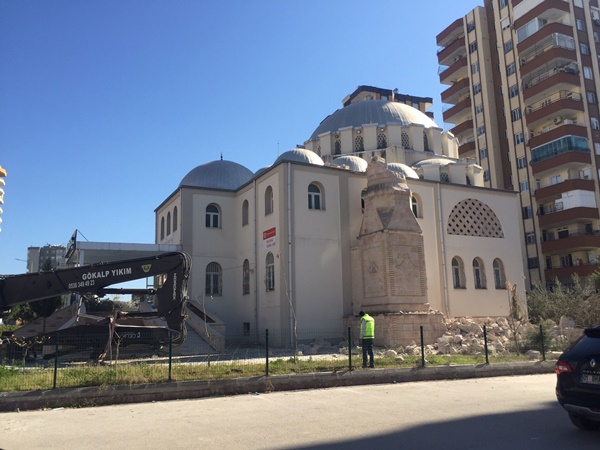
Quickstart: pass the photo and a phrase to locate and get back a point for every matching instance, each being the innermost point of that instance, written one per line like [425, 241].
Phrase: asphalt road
[487, 413]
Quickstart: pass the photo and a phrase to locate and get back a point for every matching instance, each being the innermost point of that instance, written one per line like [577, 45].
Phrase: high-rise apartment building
[37, 256]
[523, 84]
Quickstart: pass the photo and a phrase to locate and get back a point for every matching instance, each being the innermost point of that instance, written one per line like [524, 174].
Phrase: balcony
[549, 82]
[552, 8]
[452, 31]
[458, 112]
[553, 54]
[572, 242]
[559, 104]
[467, 150]
[556, 218]
[456, 71]
[456, 91]
[453, 50]
[562, 130]
[564, 273]
[539, 40]
[556, 190]
[574, 159]
[462, 127]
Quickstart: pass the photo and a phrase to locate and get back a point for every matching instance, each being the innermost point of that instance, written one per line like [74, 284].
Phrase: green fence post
[55, 359]
[350, 349]
[543, 346]
[422, 348]
[485, 344]
[267, 352]
[170, 354]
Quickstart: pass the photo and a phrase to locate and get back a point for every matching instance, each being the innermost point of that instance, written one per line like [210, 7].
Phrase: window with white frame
[458, 273]
[270, 272]
[513, 91]
[591, 97]
[508, 46]
[580, 24]
[214, 279]
[213, 215]
[483, 153]
[478, 274]
[515, 114]
[595, 123]
[414, 203]
[478, 109]
[499, 277]
[530, 238]
[519, 138]
[475, 67]
[587, 73]
[473, 47]
[476, 88]
[314, 197]
[585, 49]
[522, 162]
[511, 68]
[524, 186]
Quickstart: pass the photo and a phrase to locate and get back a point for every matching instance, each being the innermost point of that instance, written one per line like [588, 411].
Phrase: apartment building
[2, 183]
[522, 97]
[37, 256]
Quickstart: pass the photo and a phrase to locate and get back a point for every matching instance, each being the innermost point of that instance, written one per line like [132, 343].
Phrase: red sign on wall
[270, 237]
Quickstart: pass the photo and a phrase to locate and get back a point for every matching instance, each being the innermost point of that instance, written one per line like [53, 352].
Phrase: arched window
[175, 219]
[214, 279]
[479, 274]
[169, 223]
[499, 277]
[414, 203]
[381, 141]
[162, 228]
[246, 277]
[359, 144]
[425, 141]
[337, 147]
[314, 197]
[213, 215]
[270, 272]
[245, 208]
[458, 273]
[268, 200]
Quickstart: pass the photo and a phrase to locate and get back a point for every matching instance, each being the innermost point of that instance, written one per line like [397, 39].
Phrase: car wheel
[584, 423]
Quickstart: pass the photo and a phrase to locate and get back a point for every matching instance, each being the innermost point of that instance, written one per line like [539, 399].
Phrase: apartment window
[473, 47]
[479, 109]
[486, 175]
[522, 162]
[458, 273]
[510, 69]
[591, 97]
[580, 24]
[503, 3]
[212, 217]
[508, 46]
[555, 179]
[481, 130]
[513, 91]
[524, 186]
[499, 277]
[476, 88]
[515, 114]
[530, 238]
[533, 263]
[475, 67]
[587, 73]
[470, 26]
[519, 138]
[479, 274]
[314, 196]
[595, 123]
[214, 279]
[597, 148]
[483, 153]
[527, 212]
[270, 272]
[585, 49]
[596, 36]
[268, 200]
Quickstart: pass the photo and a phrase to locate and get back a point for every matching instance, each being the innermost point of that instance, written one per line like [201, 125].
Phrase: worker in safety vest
[367, 335]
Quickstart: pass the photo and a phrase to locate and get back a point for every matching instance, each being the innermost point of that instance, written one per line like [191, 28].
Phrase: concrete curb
[121, 394]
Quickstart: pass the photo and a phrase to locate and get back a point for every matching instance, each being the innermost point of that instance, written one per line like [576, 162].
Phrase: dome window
[381, 141]
[359, 144]
[405, 140]
[337, 147]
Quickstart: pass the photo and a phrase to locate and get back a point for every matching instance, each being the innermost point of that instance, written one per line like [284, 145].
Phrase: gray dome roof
[300, 155]
[220, 174]
[405, 170]
[434, 162]
[379, 112]
[354, 163]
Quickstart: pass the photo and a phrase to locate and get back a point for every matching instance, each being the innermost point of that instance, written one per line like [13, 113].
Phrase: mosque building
[375, 213]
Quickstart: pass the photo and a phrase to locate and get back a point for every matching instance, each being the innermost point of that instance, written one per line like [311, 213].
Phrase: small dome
[220, 174]
[434, 162]
[405, 170]
[262, 170]
[354, 163]
[381, 112]
[300, 155]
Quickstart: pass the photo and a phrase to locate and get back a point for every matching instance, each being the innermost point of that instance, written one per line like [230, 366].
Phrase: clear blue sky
[106, 105]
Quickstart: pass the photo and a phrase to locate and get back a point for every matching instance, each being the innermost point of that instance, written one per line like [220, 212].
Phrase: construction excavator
[170, 271]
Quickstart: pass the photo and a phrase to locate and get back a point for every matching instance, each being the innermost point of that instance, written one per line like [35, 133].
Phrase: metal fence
[88, 361]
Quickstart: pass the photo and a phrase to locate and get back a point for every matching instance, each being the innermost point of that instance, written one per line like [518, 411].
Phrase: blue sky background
[106, 105]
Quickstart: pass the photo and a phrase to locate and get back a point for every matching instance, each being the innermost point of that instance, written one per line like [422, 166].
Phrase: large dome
[300, 155]
[220, 174]
[381, 112]
[353, 162]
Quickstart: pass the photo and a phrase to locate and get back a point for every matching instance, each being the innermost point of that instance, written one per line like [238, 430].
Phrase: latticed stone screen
[471, 217]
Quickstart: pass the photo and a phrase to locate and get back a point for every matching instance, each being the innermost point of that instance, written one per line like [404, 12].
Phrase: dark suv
[578, 380]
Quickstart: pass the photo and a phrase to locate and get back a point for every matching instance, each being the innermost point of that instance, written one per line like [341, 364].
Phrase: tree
[517, 313]
[46, 307]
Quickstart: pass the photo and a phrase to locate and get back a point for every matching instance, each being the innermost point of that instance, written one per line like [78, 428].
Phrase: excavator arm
[172, 270]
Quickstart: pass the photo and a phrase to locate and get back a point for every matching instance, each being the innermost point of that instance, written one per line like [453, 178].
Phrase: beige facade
[523, 83]
[274, 249]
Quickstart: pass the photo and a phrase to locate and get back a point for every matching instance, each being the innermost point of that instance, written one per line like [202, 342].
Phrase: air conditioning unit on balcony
[528, 110]
[558, 119]
[569, 122]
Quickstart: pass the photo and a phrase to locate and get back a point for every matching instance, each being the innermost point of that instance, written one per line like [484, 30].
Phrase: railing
[551, 237]
[553, 41]
[547, 72]
[560, 95]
